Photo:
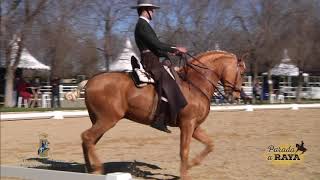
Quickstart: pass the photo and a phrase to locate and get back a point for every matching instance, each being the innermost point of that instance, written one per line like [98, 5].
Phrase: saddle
[139, 76]
[142, 78]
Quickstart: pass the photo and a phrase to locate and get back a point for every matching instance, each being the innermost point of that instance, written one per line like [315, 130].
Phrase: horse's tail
[75, 93]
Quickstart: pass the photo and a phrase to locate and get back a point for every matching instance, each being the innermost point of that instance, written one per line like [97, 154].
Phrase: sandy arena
[241, 140]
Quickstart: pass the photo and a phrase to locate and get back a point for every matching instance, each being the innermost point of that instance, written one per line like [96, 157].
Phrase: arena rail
[42, 115]
[74, 114]
[40, 174]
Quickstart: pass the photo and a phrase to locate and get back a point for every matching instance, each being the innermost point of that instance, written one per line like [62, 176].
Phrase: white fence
[263, 107]
[65, 114]
[44, 95]
[43, 115]
[40, 174]
[291, 92]
[287, 91]
[62, 90]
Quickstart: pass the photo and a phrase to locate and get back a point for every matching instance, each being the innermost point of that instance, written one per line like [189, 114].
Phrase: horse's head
[232, 78]
[220, 65]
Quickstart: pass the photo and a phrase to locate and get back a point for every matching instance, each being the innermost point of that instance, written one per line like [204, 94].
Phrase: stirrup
[159, 124]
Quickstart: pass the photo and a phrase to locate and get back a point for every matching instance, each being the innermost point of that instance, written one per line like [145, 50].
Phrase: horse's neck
[204, 79]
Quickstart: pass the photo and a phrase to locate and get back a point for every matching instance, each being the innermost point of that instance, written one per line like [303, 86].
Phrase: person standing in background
[35, 90]
[55, 94]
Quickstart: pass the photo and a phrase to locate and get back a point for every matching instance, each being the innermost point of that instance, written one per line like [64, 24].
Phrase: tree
[109, 14]
[262, 25]
[87, 57]
[61, 35]
[17, 18]
[302, 37]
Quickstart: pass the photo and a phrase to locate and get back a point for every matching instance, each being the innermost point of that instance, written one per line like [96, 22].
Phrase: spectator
[23, 91]
[35, 91]
[256, 90]
[219, 99]
[55, 94]
[15, 90]
[246, 99]
[36, 82]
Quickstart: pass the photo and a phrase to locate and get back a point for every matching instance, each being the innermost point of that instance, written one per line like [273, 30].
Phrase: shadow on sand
[137, 169]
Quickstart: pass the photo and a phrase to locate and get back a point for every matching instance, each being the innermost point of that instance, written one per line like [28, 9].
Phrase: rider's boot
[159, 121]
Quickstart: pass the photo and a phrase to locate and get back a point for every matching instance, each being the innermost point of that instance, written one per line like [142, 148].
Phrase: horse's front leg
[187, 129]
[200, 135]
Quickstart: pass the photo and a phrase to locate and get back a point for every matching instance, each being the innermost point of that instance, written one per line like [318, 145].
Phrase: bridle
[226, 83]
[233, 86]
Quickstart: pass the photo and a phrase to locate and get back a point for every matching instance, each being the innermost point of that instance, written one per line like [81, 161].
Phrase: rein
[193, 66]
[203, 66]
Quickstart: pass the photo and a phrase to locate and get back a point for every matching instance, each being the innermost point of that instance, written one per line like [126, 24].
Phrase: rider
[169, 93]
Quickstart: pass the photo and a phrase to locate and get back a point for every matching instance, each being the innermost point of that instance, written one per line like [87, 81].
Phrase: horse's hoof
[195, 162]
[186, 178]
[86, 169]
[97, 172]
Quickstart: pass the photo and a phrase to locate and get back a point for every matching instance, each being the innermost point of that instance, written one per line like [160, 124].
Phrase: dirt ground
[241, 140]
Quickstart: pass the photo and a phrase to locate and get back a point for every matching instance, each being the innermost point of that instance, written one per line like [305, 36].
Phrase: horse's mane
[211, 52]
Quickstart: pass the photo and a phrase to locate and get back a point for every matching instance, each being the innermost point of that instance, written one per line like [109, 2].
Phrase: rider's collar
[146, 19]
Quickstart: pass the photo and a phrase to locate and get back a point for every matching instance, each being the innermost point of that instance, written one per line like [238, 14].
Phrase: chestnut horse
[111, 97]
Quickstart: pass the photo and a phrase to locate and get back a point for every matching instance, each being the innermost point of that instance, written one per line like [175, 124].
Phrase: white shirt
[146, 19]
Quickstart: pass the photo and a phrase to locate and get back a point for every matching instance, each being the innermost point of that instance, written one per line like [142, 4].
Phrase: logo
[43, 150]
[286, 154]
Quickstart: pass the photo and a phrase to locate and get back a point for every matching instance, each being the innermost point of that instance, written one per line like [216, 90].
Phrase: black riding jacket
[146, 39]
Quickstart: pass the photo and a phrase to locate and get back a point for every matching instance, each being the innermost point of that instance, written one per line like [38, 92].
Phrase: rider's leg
[159, 121]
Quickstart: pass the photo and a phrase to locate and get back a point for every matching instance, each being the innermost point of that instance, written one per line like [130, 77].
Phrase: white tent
[27, 61]
[285, 68]
[123, 62]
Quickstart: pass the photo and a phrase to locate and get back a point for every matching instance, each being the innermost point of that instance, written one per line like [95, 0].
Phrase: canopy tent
[285, 68]
[27, 61]
[123, 62]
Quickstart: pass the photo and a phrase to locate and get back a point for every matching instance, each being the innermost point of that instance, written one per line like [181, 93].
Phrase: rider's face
[151, 11]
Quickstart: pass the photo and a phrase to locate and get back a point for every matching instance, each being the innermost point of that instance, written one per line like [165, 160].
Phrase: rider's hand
[182, 49]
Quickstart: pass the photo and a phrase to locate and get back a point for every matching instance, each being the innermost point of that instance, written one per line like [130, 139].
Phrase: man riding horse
[170, 97]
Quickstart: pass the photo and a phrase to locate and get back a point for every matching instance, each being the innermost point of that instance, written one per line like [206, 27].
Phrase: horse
[112, 96]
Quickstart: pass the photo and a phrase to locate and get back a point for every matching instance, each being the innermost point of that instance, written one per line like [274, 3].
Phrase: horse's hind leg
[200, 135]
[89, 139]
